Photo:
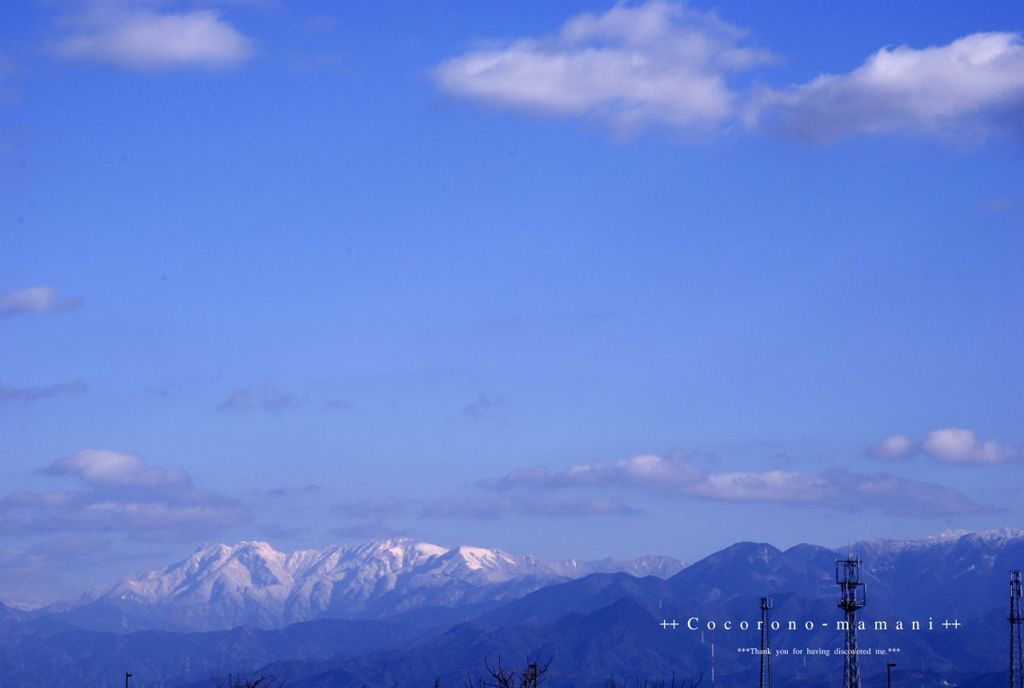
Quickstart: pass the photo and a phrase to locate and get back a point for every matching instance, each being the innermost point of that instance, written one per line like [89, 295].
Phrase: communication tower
[1016, 619]
[852, 598]
[766, 645]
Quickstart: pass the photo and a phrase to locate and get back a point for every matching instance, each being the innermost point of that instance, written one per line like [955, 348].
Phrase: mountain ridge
[591, 627]
[222, 586]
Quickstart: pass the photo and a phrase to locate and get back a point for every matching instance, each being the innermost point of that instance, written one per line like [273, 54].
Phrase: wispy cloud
[282, 492]
[656, 63]
[892, 447]
[377, 514]
[25, 394]
[678, 475]
[35, 300]
[137, 36]
[966, 89]
[497, 506]
[370, 530]
[1000, 204]
[948, 445]
[118, 493]
[642, 470]
[281, 532]
[267, 399]
[483, 404]
[57, 564]
[371, 517]
[389, 507]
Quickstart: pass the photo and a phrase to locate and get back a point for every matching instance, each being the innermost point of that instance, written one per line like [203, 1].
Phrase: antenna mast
[852, 598]
[1016, 619]
[766, 645]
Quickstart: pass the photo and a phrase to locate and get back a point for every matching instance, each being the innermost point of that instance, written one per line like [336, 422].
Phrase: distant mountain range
[417, 612]
[222, 587]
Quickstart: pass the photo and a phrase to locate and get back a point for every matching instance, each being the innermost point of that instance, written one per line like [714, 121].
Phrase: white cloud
[145, 39]
[120, 494]
[678, 475]
[762, 486]
[34, 300]
[656, 63]
[645, 469]
[959, 445]
[105, 467]
[893, 447]
[966, 89]
[949, 445]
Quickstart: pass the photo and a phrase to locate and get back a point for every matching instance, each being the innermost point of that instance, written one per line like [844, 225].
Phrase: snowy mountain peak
[479, 558]
[949, 537]
[404, 550]
[996, 536]
[221, 586]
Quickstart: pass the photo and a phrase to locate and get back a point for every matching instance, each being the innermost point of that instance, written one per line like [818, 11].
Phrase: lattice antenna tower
[852, 598]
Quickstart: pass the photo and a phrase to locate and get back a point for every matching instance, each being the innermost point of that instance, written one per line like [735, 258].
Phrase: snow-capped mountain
[599, 624]
[221, 586]
[251, 583]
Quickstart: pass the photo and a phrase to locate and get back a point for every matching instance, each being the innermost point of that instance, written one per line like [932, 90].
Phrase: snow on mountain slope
[251, 583]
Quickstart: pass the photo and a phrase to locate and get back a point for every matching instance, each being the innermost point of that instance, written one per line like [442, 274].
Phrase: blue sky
[577, 279]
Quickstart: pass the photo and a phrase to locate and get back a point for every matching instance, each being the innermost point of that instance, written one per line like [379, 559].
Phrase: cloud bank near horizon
[677, 475]
[119, 494]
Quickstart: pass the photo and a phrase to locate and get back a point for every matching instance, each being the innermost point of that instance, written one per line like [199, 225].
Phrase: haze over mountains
[221, 587]
[399, 613]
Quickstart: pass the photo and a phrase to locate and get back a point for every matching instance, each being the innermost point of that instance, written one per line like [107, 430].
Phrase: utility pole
[888, 672]
[127, 676]
[766, 645]
[852, 598]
